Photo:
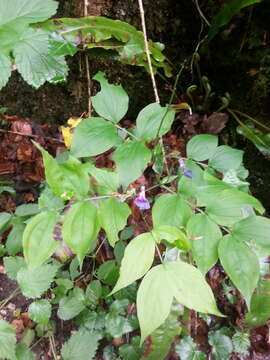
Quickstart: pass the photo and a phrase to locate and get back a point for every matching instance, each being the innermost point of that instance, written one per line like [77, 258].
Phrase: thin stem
[201, 13]
[159, 254]
[252, 119]
[32, 135]
[87, 66]
[147, 51]
[12, 295]
[128, 132]
[53, 347]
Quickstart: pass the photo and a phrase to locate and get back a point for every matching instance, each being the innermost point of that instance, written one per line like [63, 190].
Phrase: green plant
[37, 48]
[201, 211]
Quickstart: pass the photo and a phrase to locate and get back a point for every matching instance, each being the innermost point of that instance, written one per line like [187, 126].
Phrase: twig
[32, 135]
[147, 51]
[201, 13]
[89, 82]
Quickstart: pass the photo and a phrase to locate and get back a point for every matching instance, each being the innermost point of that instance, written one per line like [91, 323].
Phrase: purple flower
[186, 172]
[141, 201]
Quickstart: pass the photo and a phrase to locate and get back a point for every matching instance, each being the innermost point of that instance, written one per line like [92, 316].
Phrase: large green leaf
[137, 260]
[113, 218]
[107, 181]
[221, 345]
[153, 121]
[226, 158]
[80, 228]
[66, 179]
[229, 206]
[7, 341]
[112, 101]
[38, 241]
[259, 310]
[201, 147]
[170, 209]
[26, 11]
[172, 235]
[5, 69]
[81, 346]
[205, 236]
[162, 283]
[40, 311]
[131, 159]
[188, 187]
[33, 60]
[93, 136]
[34, 281]
[255, 229]
[241, 265]
[260, 139]
[225, 15]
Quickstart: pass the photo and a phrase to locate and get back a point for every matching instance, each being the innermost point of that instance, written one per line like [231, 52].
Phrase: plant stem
[251, 118]
[128, 132]
[53, 347]
[12, 295]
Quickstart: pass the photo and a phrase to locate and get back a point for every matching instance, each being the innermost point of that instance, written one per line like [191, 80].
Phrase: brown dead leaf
[215, 123]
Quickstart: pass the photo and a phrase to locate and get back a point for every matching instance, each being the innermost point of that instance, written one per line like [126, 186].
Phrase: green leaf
[27, 210]
[202, 147]
[187, 350]
[170, 209]
[229, 206]
[255, 229]
[138, 258]
[35, 281]
[38, 241]
[12, 265]
[131, 159]
[117, 325]
[132, 351]
[71, 305]
[14, 239]
[33, 60]
[40, 311]
[80, 228]
[26, 11]
[154, 121]
[4, 220]
[205, 236]
[108, 272]
[113, 218]
[48, 201]
[225, 15]
[172, 235]
[107, 181]
[188, 187]
[226, 158]
[112, 101]
[256, 136]
[93, 136]
[24, 353]
[163, 337]
[5, 69]
[241, 342]
[7, 341]
[63, 285]
[259, 310]
[241, 265]
[81, 346]
[162, 283]
[67, 179]
[221, 345]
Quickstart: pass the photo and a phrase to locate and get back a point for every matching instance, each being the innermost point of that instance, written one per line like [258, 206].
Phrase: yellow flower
[67, 131]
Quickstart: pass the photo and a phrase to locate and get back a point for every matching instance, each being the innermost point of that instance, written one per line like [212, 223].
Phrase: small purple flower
[186, 172]
[141, 201]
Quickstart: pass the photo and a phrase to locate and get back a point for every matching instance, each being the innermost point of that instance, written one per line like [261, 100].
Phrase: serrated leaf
[187, 350]
[202, 147]
[38, 241]
[12, 265]
[67, 179]
[7, 341]
[132, 351]
[137, 260]
[113, 218]
[255, 229]
[71, 305]
[131, 159]
[81, 346]
[205, 236]
[80, 228]
[170, 209]
[5, 69]
[241, 342]
[112, 101]
[153, 121]
[226, 158]
[34, 282]
[40, 311]
[221, 345]
[33, 60]
[4, 219]
[14, 239]
[93, 136]
[241, 265]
